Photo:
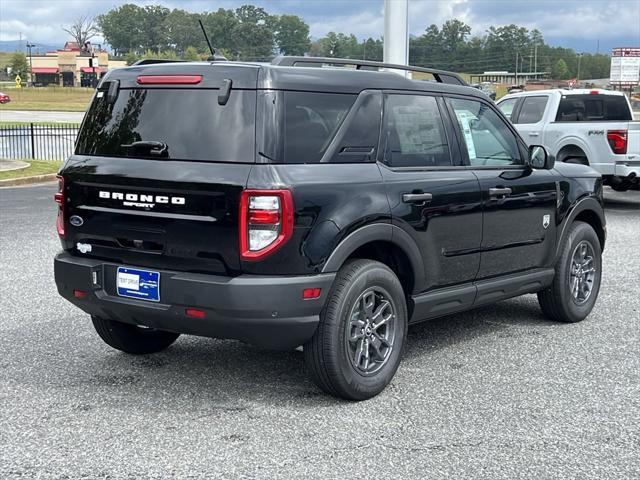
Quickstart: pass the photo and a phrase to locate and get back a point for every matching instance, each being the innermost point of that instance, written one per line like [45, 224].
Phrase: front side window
[487, 137]
[532, 109]
[413, 133]
[506, 107]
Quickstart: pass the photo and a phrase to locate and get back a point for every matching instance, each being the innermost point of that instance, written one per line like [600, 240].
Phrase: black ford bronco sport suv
[285, 204]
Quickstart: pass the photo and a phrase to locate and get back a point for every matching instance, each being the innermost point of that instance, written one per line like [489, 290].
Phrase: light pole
[30, 46]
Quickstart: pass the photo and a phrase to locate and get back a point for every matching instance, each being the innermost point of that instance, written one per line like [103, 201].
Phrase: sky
[584, 25]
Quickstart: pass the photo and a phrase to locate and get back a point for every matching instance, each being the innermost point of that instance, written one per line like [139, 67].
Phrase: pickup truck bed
[592, 127]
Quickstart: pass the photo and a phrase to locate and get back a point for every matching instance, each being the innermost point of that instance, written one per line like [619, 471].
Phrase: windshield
[182, 124]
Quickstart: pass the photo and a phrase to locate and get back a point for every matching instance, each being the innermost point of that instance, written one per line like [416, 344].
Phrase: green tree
[454, 33]
[182, 30]
[122, 28]
[372, 49]
[153, 25]
[131, 58]
[560, 71]
[191, 54]
[18, 64]
[340, 45]
[291, 35]
[252, 36]
[220, 26]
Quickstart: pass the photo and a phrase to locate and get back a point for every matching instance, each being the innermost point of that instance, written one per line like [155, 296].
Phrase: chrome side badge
[83, 247]
[76, 220]
[546, 220]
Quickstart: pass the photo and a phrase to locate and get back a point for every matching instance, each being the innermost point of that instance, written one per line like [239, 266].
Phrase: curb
[14, 182]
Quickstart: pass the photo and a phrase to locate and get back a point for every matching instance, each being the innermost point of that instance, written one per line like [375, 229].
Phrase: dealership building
[71, 67]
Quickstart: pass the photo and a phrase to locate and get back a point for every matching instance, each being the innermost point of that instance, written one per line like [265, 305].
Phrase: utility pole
[535, 58]
[30, 46]
[516, 82]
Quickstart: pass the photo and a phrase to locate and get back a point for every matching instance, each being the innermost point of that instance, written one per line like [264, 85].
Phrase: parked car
[590, 127]
[4, 98]
[326, 207]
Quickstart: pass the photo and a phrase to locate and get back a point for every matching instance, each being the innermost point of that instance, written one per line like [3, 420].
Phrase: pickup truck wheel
[132, 339]
[357, 347]
[574, 290]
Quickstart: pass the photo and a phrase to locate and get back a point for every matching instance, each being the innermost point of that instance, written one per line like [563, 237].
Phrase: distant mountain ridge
[17, 46]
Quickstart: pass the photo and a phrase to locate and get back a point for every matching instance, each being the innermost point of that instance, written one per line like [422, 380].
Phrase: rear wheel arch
[387, 244]
[572, 151]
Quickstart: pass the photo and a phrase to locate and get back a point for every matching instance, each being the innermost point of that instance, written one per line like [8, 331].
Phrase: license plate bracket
[138, 284]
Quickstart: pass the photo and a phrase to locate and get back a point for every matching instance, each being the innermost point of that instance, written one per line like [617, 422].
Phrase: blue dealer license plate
[140, 284]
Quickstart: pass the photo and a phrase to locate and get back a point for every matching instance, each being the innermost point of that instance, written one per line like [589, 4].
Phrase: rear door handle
[416, 197]
[499, 192]
[534, 134]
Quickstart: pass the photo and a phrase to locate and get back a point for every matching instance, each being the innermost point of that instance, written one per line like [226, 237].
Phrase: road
[499, 392]
[36, 116]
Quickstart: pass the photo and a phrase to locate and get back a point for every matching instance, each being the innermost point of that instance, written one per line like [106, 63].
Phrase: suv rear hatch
[161, 158]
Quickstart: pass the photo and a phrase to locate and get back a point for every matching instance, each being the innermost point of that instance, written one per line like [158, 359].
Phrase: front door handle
[416, 197]
[534, 134]
[499, 192]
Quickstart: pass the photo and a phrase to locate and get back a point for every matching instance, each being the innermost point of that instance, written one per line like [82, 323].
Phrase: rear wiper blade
[155, 148]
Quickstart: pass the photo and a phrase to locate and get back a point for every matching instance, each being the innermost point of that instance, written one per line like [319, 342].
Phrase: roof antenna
[214, 57]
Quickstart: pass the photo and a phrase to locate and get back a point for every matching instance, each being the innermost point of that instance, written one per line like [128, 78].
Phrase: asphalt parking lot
[498, 392]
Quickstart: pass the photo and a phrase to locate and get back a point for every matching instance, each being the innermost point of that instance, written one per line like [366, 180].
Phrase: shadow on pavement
[228, 375]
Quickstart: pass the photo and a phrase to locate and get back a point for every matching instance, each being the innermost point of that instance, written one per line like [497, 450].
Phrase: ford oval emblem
[76, 221]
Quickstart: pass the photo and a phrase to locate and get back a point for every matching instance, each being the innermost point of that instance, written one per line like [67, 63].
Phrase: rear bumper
[628, 168]
[265, 310]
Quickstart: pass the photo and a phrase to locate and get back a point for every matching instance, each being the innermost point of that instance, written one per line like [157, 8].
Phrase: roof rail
[441, 76]
[151, 61]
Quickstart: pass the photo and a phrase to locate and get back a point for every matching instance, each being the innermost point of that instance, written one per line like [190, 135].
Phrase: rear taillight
[266, 222]
[617, 141]
[59, 198]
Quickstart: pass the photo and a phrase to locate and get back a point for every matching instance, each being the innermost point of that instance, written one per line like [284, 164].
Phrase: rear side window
[532, 109]
[189, 122]
[506, 107]
[311, 120]
[593, 107]
[413, 132]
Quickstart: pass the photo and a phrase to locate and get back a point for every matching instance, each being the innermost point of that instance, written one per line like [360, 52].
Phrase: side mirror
[539, 158]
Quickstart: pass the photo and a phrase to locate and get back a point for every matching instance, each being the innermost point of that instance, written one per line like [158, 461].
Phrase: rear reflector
[59, 199]
[310, 293]
[194, 313]
[169, 79]
[617, 141]
[79, 293]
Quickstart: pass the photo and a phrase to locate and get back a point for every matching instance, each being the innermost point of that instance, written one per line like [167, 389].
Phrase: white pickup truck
[593, 127]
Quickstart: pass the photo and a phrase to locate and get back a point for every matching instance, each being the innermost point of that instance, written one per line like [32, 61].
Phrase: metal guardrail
[37, 141]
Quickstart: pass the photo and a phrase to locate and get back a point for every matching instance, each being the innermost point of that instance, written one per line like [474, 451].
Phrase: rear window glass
[311, 120]
[593, 107]
[190, 123]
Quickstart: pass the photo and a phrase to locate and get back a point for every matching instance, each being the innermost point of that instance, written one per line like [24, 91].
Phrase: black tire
[132, 339]
[329, 356]
[558, 302]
